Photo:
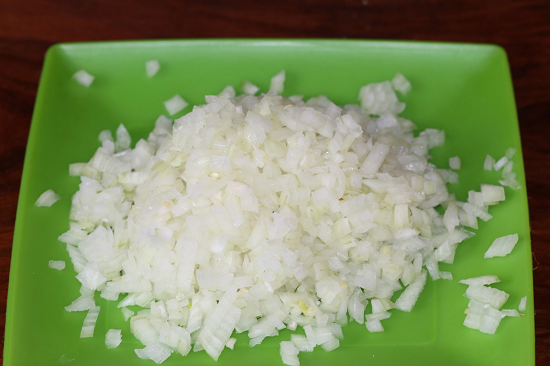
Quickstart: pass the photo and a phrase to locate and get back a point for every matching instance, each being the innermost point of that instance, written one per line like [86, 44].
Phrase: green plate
[464, 89]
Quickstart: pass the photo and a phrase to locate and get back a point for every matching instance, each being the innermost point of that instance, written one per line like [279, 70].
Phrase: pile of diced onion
[259, 213]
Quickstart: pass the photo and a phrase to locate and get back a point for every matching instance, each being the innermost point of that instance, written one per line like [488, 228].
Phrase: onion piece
[302, 343]
[84, 302]
[113, 338]
[489, 163]
[175, 104]
[231, 343]
[155, 352]
[289, 354]
[59, 265]
[408, 298]
[47, 199]
[401, 84]
[454, 163]
[492, 194]
[481, 280]
[502, 246]
[83, 78]
[510, 312]
[152, 67]
[487, 295]
[523, 304]
[89, 322]
[127, 313]
[249, 88]
[278, 83]
[500, 163]
[510, 152]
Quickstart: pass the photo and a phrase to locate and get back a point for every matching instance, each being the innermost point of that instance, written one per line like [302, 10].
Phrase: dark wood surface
[522, 27]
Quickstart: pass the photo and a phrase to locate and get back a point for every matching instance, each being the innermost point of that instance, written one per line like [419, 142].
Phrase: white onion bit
[481, 280]
[502, 246]
[249, 88]
[175, 104]
[454, 163]
[489, 162]
[47, 199]
[152, 67]
[522, 304]
[113, 338]
[59, 265]
[83, 78]
[89, 323]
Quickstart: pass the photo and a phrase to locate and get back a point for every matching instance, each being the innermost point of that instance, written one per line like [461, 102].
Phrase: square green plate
[464, 89]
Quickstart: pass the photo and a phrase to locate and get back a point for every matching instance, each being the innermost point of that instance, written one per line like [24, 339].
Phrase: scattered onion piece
[113, 338]
[152, 67]
[83, 78]
[89, 322]
[47, 199]
[59, 265]
[523, 304]
[175, 104]
[502, 246]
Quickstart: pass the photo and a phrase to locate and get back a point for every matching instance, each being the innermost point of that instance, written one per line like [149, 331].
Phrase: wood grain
[28, 28]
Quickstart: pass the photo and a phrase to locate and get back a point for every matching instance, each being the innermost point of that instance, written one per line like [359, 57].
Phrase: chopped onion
[483, 316]
[228, 92]
[373, 323]
[474, 313]
[508, 176]
[408, 298]
[502, 246]
[510, 312]
[523, 304]
[113, 338]
[508, 168]
[492, 194]
[489, 163]
[278, 83]
[175, 104]
[454, 163]
[47, 199]
[83, 78]
[331, 345]
[249, 88]
[219, 324]
[123, 139]
[510, 181]
[510, 152]
[59, 265]
[302, 343]
[155, 352]
[500, 163]
[89, 323]
[231, 343]
[490, 320]
[289, 354]
[152, 67]
[401, 84]
[481, 280]
[487, 295]
[84, 302]
[259, 213]
[379, 98]
[127, 313]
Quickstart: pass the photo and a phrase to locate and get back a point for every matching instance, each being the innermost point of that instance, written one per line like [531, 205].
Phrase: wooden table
[522, 27]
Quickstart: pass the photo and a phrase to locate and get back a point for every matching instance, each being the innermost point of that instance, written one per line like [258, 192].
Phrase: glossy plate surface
[464, 89]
